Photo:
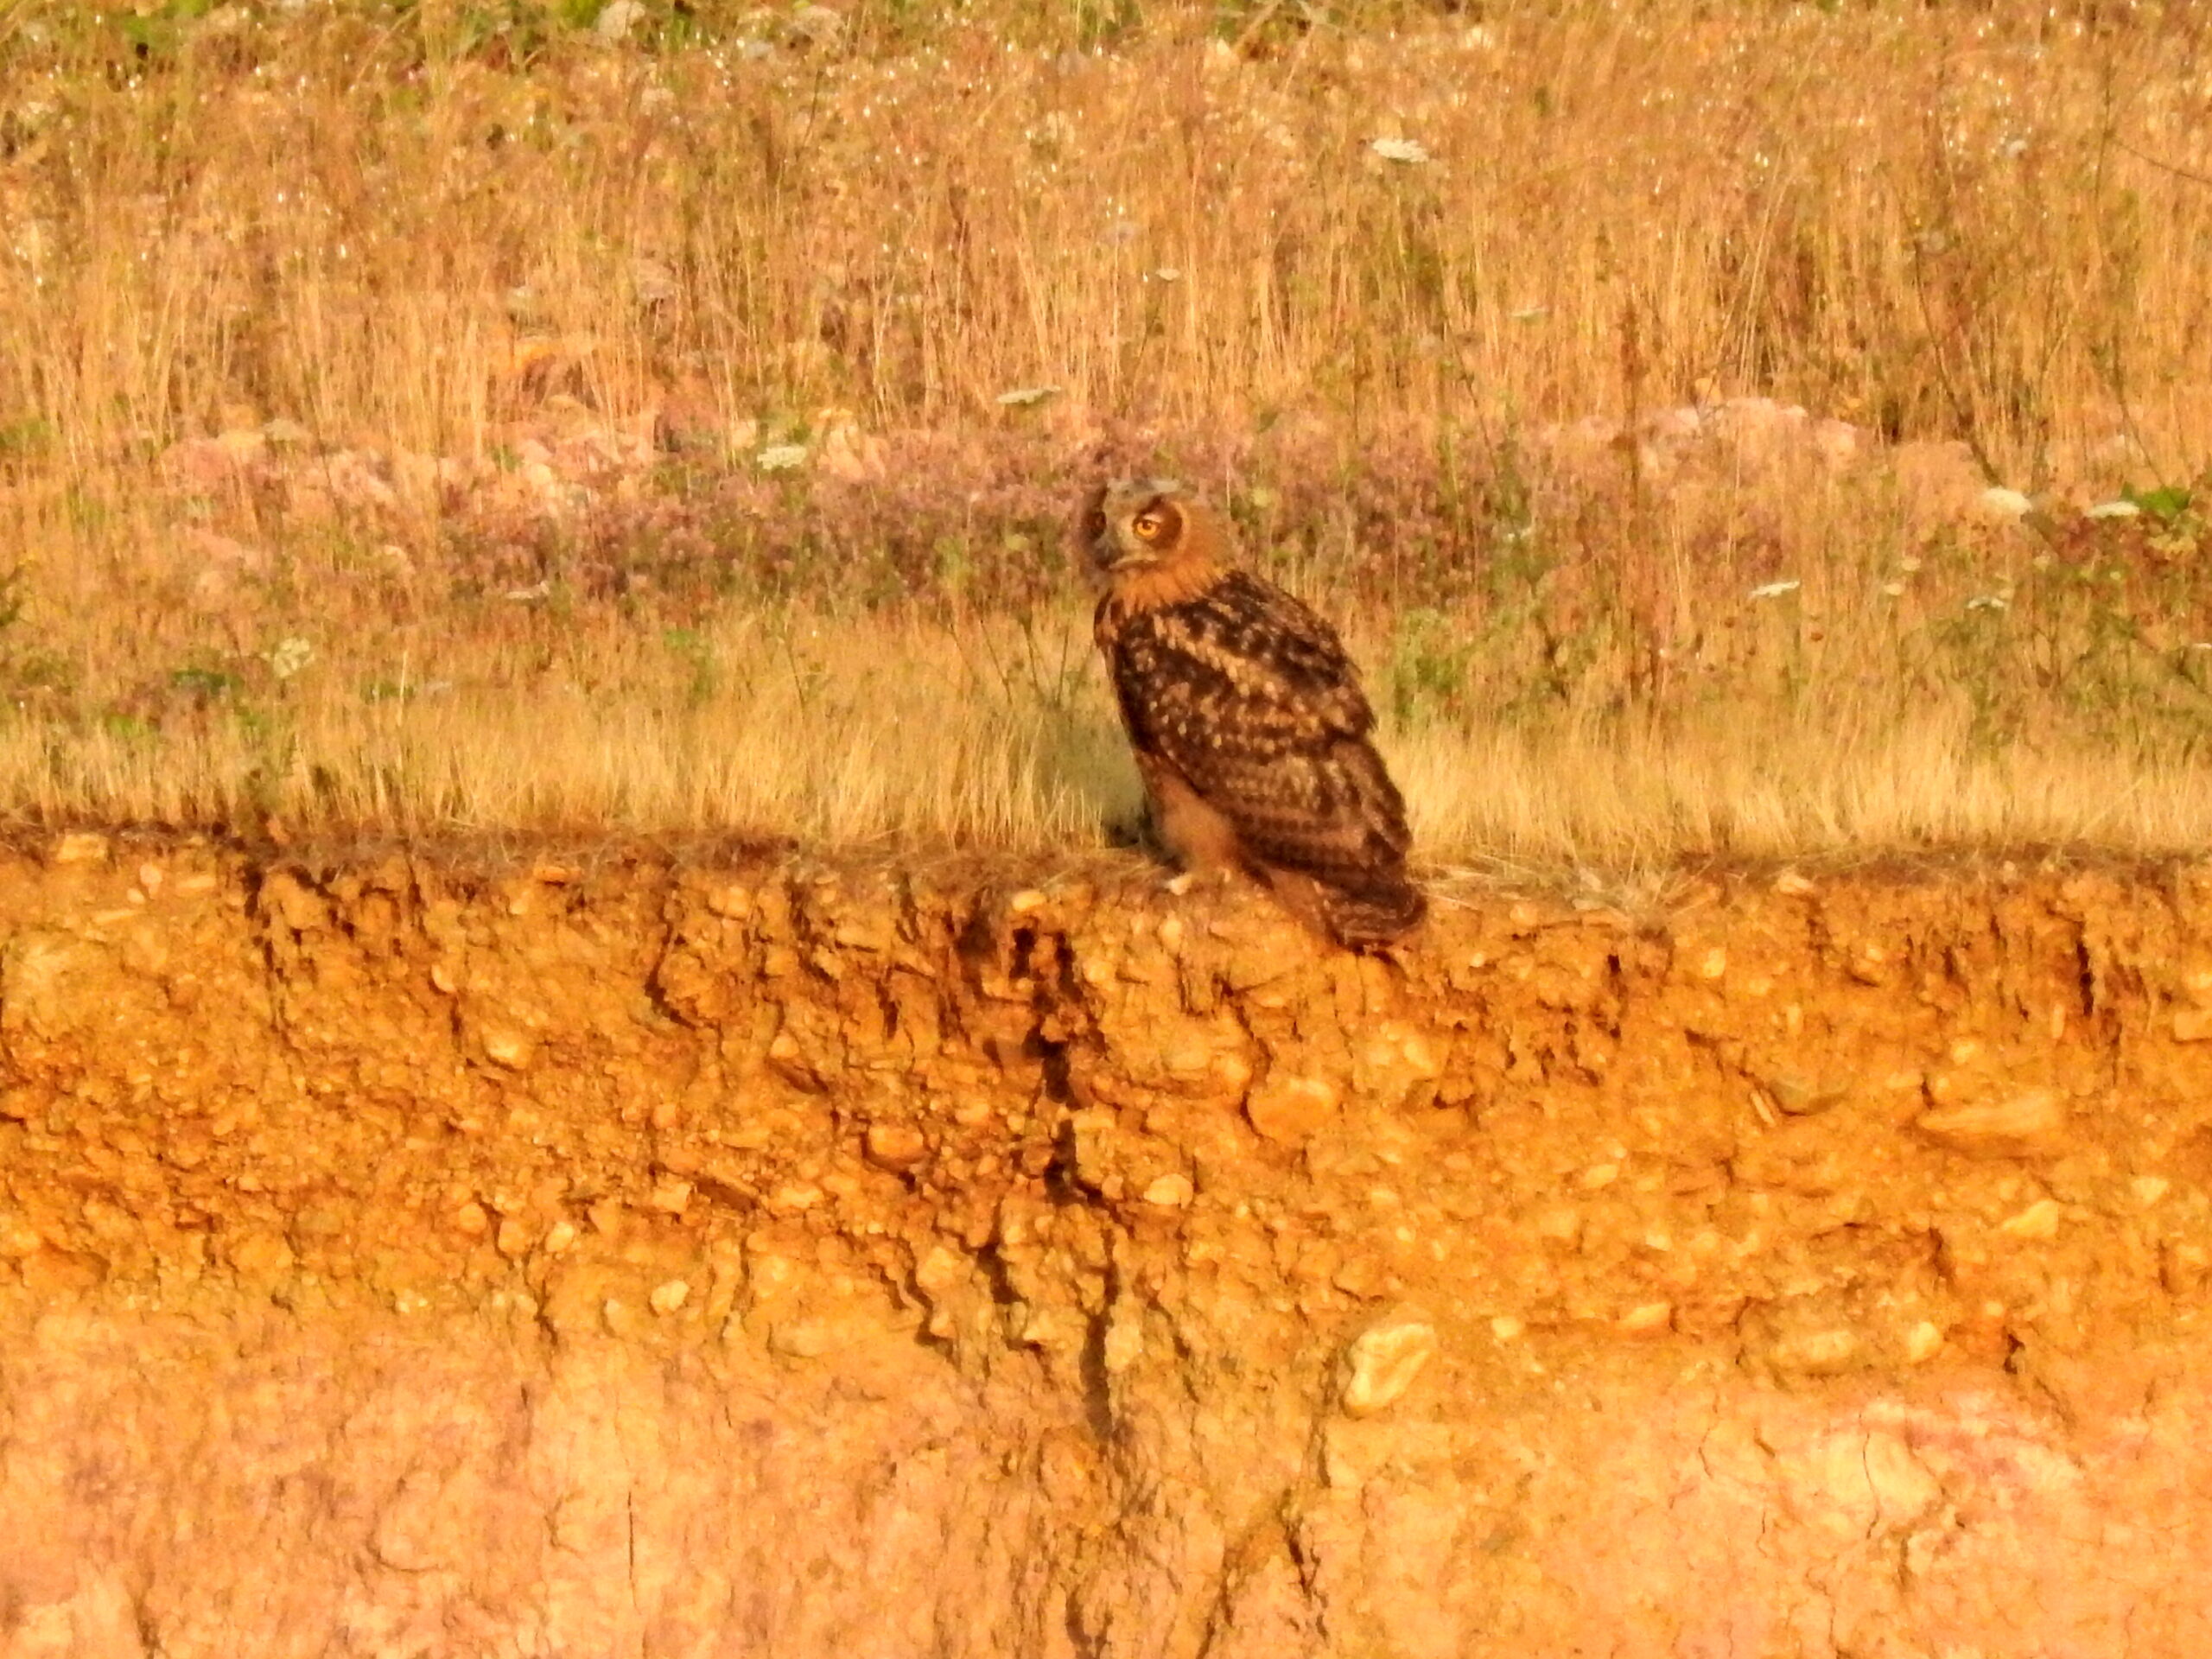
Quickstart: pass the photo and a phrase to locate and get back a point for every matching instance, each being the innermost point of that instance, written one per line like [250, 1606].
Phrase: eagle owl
[1247, 717]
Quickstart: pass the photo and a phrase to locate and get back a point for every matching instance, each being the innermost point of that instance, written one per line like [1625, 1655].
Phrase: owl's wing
[1251, 698]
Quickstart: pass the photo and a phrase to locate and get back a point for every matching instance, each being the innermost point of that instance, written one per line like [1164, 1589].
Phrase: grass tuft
[1755, 429]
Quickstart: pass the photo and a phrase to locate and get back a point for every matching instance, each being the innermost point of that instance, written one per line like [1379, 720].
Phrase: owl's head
[1131, 525]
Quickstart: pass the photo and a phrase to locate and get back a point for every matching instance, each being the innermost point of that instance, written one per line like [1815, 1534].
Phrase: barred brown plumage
[1247, 717]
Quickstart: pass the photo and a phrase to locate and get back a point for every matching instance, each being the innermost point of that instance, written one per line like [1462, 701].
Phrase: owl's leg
[1200, 836]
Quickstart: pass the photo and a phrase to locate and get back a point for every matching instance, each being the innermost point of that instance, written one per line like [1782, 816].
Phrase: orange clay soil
[639, 1252]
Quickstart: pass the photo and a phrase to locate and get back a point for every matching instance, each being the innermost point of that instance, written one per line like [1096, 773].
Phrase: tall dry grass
[421, 240]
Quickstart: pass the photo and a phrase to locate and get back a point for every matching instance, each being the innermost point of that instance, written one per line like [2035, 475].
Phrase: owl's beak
[1101, 546]
[1107, 550]
[1092, 530]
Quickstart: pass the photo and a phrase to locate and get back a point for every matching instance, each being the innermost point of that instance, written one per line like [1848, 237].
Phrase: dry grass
[526, 308]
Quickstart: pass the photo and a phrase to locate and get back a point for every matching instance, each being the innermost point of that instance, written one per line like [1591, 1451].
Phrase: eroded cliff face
[609, 1252]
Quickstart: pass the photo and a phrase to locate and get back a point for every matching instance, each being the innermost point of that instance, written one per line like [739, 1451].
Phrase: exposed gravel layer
[629, 1252]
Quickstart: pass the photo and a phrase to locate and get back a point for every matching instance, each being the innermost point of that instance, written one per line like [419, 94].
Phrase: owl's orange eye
[1147, 524]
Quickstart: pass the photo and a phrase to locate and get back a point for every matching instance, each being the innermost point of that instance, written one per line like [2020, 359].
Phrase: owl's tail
[1380, 910]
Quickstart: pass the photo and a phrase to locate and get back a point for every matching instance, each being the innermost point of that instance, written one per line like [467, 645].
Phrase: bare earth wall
[662, 1253]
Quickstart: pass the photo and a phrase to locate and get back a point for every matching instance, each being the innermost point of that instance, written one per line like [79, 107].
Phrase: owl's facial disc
[1131, 524]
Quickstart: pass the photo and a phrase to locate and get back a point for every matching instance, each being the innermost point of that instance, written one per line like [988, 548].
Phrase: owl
[1247, 718]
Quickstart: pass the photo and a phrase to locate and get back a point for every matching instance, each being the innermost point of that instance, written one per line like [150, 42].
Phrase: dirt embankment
[676, 1255]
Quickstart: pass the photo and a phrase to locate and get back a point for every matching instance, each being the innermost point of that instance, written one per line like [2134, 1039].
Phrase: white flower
[1407, 152]
[653, 281]
[614, 22]
[1776, 589]
[289, 656]
[1167, 274]
[1023, 397]
[817, 25]
[2122, 509]
[1989, 602]
[781, 457]
[2009, 504]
